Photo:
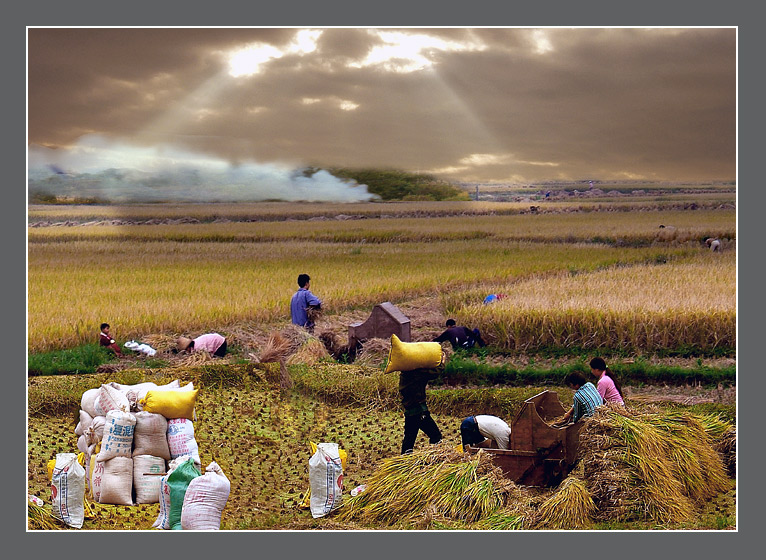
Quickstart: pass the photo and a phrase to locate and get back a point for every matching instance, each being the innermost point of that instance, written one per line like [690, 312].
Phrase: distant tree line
[392, 184]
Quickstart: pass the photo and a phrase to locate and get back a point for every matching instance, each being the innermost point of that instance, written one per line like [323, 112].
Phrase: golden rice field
[629, 228]
[151, 279]
[691, 301]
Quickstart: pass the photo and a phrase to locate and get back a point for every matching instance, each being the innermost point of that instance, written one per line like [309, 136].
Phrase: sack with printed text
[326, 479]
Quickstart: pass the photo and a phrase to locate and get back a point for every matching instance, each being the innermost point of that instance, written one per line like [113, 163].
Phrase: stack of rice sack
[129, 432]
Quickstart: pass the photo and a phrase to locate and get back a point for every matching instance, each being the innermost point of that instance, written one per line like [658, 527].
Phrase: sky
[515, 105]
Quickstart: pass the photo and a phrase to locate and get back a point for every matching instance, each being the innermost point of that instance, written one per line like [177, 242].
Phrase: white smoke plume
[118, 172]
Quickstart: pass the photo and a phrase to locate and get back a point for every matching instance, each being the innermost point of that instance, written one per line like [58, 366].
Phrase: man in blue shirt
[302, 304]
[584, 401]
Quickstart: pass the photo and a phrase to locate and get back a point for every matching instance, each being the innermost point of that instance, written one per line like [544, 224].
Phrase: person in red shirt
[105, 339]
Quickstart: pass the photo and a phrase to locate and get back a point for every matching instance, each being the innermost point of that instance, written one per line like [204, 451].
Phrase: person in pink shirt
[211, 342]
[607, 386]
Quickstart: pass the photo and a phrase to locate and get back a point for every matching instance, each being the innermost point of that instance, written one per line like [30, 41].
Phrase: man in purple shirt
[302, 302]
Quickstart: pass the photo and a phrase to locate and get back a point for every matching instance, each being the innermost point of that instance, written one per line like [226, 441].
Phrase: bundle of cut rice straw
[649, 464]
[408, 488]
[571, 507]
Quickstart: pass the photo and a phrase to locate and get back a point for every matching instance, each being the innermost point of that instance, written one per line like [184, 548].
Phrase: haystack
[410, 488]
[649, 464]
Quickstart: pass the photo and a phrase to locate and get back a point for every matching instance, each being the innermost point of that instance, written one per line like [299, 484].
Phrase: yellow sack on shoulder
[405, 356]
[171, 404]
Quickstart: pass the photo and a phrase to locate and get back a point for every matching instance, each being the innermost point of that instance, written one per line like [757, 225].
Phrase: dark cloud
[512, 104]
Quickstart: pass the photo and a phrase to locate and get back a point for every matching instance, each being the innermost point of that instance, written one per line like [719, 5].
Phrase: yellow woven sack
[405, 356]
[171, 404]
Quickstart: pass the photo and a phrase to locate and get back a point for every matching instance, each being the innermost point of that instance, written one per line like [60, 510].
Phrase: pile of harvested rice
[571, 507]
[648, 464]
[312, 351]
[410, 488]
[276, 350]
[160, 342]
[334, 344]
[374, 352]
[193, 359]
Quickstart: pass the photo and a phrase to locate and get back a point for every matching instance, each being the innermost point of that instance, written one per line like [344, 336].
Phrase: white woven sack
[117, 482]
[151, 435]
[205, 500]
[68, 490]
[147, 472]
[163, 519]
[108, 399]
[118, 435]
[88, 401]
[181, 439]
[95, 431]
[325, 479]
[84, 423]
[131, 392]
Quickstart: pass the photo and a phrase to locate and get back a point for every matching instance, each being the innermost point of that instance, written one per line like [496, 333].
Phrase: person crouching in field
[460, 337]
[484, 430]
[412, 387]
[105, 339]
[606, 385]
[585, 399]
[211, 342]
[714, 244]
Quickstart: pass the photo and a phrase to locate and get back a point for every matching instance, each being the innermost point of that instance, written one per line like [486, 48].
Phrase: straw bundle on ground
[160, 342]
[571, 507]
[437, 482]
[276, 350]
[39, 517]
[335, 345]
[374, 352]
[312, 351]
[724, 436]
[648, 464]
[193, 359]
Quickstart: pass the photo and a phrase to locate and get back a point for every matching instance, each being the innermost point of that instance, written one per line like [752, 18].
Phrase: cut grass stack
[436, 483]
[649, 465]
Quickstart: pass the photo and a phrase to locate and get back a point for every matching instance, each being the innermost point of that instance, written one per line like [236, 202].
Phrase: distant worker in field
[460, 337]
[484, 429]
[211, 342]
[714, 243]
[585, 400]
[606, 385]
[412, 387]
[304, 306]
[105, 339]
[492, 298]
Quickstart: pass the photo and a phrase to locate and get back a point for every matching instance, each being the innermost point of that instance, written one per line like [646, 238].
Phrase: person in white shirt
[485, 430]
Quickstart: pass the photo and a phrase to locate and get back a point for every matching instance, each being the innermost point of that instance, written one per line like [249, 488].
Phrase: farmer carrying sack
[406, 356]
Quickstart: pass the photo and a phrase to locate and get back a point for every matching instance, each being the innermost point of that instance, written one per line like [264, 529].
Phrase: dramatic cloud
[517, 105]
